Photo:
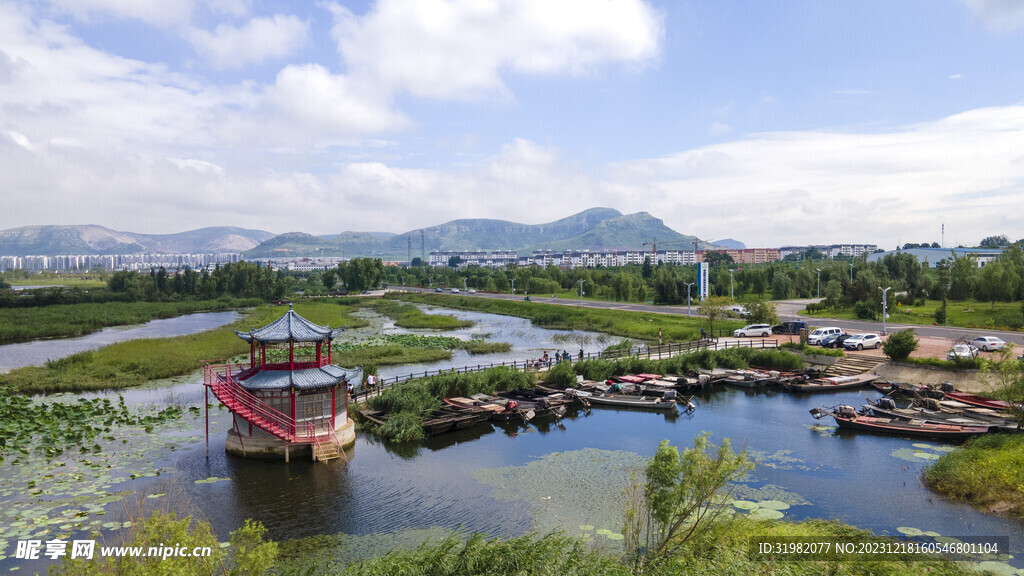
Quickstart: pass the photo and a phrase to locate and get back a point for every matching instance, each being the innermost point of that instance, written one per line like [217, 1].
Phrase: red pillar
[291, 355]
[293, 411]
[252, 354]
[318, 345]
[329, 351]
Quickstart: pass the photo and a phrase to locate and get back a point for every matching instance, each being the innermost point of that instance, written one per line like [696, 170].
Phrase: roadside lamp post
[818, 270]
[581, 293]
[403, 281]
[431, 281]
[730, 283]
[464, 284]
[688, 284]
[513, 285]
[851, 272]
[885, 306]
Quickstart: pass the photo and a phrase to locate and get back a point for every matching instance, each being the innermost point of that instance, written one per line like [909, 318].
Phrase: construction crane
[654, 248]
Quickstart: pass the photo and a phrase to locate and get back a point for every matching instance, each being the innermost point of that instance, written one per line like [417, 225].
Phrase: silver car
[762, 330]
[962, 352]
[988, 343]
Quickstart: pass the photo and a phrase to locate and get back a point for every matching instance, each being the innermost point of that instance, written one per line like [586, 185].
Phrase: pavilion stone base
[267, 447]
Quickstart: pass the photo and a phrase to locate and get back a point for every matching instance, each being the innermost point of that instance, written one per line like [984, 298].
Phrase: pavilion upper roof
[290, 327]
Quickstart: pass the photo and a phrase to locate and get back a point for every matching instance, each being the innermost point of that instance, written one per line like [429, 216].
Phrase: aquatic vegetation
[768, 493]
[988, 471]
[570, 483]
[319, 554]
[50, 428]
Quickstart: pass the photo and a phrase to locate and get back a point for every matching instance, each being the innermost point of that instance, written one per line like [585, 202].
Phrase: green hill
[91, 239]
[593, 229]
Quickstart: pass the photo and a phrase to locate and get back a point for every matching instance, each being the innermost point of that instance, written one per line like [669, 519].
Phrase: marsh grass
[390, 355]
[68, 320]
[409, 316]
[734, 358]
[479, 346]
[637, 325]
[987, 472]
[813, 350]
[135, 362]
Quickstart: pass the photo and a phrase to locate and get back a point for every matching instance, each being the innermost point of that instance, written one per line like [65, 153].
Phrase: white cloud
[200, 166]
[1004, 15]
[458, 49]
[20, 139]
[157, 12]
[956, 77]
[719, 129]
[258, 40]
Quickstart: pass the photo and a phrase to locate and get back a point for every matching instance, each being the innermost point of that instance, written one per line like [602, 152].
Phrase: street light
[463, 283]
[885, 306]
[688, 284]
[431, 281]
[730, 283]
[851, 271]
[818, 270]
[581, 293]
[513, 285]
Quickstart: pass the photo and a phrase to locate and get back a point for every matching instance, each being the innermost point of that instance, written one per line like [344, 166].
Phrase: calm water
[37, 352]
[848, 476]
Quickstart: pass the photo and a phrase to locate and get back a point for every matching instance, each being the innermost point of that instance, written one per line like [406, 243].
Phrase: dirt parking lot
[927, 346]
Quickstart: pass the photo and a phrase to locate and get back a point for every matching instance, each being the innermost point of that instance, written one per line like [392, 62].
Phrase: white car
[962, 351]
[862, 341]
[762, 330]
[818, 334]
[987, 343]
[472, 291]
[455, 290]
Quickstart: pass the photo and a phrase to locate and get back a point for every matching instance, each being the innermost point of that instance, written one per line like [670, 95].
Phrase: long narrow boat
[748, 379]
[830, 383]
[982, 401]
[925, 415]
[633, 401]
[846, 418]
[441, 421]
[501, 409]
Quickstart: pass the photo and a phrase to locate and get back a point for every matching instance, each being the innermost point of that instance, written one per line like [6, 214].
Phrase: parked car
[988, 343]
[739, 310]
[862, 341]
[789, 327]
[438, 290]
[455, 290]
[762, 330]
[962, 352]
[814, 338]
[472, 291]
[835, 340]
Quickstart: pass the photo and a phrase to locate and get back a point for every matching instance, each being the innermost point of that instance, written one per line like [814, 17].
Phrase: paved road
[787, 311]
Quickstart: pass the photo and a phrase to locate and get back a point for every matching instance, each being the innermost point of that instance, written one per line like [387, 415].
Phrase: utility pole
[818, 270]
[581, 293]
[851, 271]
[409, 248]
[885, 307]
[423, 244]
[513, 285]
[464, 287]
[730, 284]
[688, 284]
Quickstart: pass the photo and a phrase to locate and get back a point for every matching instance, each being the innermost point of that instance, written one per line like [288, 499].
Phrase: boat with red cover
[975, 400]
[848, 419]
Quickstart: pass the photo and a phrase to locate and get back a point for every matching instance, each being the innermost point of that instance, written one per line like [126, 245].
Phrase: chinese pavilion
[290, 399]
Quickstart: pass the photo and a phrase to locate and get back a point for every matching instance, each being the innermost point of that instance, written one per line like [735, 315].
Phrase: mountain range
[592, 229]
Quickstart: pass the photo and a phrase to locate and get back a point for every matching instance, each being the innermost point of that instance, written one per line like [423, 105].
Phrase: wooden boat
[975, 400]
[502, 409]
[847, 419]
[906, 389]
[633, 401]
[628, 379]
[1002, 417]
[748, 379]
[647, 377]
[442, 420]
[830, 383]
[543, 402]
[921, 414]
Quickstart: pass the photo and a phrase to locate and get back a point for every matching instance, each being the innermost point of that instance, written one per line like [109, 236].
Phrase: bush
[562, 375]
[900, 345]
[865, 310]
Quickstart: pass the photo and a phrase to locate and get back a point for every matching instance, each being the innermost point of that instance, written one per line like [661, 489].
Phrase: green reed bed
[813, 350]
[564, 374]
[409, 404]
[637, 325]
[68, 320]
[409, 316]
[987, 472]
[135, 362]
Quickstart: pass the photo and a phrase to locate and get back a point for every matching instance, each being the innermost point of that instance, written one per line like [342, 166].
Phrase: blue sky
[776, 122]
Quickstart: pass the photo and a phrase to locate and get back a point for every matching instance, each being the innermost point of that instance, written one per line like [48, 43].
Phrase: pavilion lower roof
[307, 379]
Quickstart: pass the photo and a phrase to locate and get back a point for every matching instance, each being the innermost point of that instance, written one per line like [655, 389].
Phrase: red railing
[242, 402]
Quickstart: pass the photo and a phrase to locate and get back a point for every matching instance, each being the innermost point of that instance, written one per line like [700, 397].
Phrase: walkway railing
[240, 401]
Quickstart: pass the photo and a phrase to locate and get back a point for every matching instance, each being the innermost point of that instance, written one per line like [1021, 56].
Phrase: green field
[636, 325]
[135, 362]
[24, 278]
[967, 314]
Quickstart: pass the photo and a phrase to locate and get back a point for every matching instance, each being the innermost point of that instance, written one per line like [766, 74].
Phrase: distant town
[495, 259]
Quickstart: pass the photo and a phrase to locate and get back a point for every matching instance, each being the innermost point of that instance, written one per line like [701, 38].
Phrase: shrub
[900, 345]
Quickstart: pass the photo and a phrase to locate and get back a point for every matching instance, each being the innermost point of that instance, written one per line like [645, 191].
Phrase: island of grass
[392, 349]
[410, 316]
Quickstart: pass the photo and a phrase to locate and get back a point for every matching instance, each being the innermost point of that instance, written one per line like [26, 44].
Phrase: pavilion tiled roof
[290, 327]
[307, 379]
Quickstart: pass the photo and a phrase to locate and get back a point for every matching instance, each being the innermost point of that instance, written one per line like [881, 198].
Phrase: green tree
[717, 258]
[683, 494]
[993, 283]
[900, 345]
[962, 274]
[713, 308]
[940, 313]
[782, 286]
[760, 312]
[998, 241]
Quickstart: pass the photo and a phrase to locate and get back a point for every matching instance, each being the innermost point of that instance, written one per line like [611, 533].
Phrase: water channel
[506, 481]
[37, 352]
